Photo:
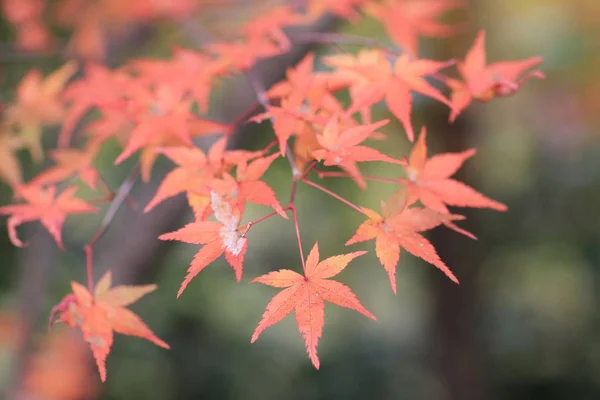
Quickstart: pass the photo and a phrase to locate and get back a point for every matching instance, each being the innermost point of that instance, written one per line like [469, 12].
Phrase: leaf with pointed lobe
[305, 295]
[400, 230]
[269, 25]
[102, 313]
[340, 146]
[247, 186]
[429, 180]
[44, 205]
[100, 87]
[39, 102]
[223, 236]
[484, 82]
[71, 162]
[407, 20]
[372, 76]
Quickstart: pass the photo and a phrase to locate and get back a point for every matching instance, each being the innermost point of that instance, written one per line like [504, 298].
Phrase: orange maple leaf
[286, 119]
[160, 112]
[187, 67]
[399, 227]
[100, 87]
[240, 56]
[38, 103]
[310, 89]
[104, 312]
[306, 295]
[429, 180]
[341, 8]
[248, 187]
[405, 20]
[372, 76]
[45, 206]
[270, 25]
[342, 147]
[71, 162]
[224, 236]
[484, 82]
[194, 171]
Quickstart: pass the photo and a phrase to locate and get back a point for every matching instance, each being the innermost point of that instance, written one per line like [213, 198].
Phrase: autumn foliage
[158, 108]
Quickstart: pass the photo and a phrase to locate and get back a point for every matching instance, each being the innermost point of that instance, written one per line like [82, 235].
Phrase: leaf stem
[336, 196]
[339, 174]
[269, 215]
[295, 216]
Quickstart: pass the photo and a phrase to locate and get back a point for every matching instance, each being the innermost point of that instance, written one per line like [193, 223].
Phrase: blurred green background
[522, 325]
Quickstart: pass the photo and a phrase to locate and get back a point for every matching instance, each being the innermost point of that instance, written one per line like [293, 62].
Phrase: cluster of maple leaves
[158, 107]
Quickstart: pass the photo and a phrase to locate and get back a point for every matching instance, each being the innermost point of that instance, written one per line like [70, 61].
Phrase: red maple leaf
[224, 236]
[429, 180]
[399, 227]
[43, 205]
[104, 312]
[484, 82]
[306, 295]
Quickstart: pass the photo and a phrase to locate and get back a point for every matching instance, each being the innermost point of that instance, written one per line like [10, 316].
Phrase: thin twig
[120, 196]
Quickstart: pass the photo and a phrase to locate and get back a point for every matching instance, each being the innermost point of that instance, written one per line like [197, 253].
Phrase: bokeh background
[523, 324]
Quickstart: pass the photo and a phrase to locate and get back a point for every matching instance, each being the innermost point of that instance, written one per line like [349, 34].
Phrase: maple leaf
[429, 180]
[248, 186]
[484, 82]
[100, 314]
[398, 227]
[194, 173]
[371, 77]
[194, 170]
[241, 55]
[269, 26]
[71, 162]
[187, 68]
[341, 8]
[405, 20]
[39, 102]
[161, 112]
[44, 206]
[100, 87]
[286, 119]
[309, 89]
[224, 236]
[306, 295]
[340, 147]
